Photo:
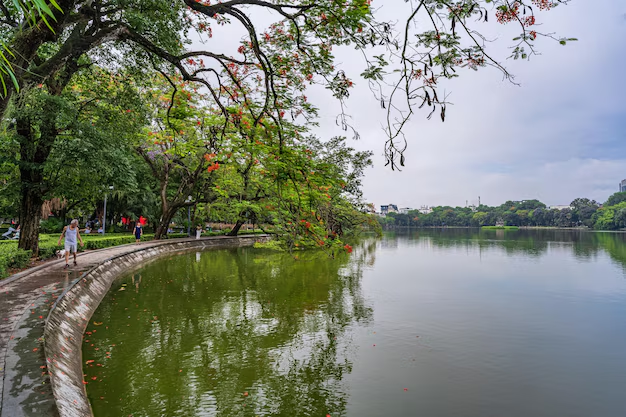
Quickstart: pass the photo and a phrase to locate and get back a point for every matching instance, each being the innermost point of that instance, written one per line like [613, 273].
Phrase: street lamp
[104, 217]
[189, 217]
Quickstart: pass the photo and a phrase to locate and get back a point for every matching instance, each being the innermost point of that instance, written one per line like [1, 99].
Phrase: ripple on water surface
[435, 323]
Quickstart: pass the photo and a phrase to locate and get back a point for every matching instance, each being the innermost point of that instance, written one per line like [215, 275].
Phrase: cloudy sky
[561, 134]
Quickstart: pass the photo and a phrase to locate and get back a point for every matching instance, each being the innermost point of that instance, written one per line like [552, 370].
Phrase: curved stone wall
[70, 316]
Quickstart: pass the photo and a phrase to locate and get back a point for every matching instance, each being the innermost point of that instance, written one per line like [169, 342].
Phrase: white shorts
[71, 247]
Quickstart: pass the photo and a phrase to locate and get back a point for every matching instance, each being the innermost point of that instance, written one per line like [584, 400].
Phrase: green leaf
[4, 86]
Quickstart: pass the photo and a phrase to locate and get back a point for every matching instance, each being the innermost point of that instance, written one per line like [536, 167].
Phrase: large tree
[46, 59]
[179, 145]
[273, 65]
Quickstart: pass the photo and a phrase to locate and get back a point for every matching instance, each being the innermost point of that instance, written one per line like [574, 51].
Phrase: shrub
[51, 225]
[48, 248]
[101, 242]
[118, 229]
[12, 257]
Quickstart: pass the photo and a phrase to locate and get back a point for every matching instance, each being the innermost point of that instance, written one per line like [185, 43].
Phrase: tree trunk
[30, 215]
[164, 223]
[236, 228]
[34, 152]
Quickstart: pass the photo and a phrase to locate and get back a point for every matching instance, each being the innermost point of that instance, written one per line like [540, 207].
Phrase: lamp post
[189, 217]
[104, 217]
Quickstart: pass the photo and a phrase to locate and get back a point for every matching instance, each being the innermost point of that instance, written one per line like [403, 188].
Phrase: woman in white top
[71, 234]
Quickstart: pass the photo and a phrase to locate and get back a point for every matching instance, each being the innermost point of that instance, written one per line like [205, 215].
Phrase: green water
[429, 323]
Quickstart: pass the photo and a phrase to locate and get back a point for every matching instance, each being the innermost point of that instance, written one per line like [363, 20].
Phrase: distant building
[622, 186]
[405, 210]
[389, 208]
[560, 207]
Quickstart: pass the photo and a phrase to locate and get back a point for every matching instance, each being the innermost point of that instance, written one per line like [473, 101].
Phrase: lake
[434, 323]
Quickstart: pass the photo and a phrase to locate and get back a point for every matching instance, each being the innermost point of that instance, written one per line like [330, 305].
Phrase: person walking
[198, 231]
[138, 231]
[71, 234]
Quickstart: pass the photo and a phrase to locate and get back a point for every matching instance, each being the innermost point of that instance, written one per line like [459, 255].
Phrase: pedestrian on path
[71, 234]
[138, 231]
[198, 231]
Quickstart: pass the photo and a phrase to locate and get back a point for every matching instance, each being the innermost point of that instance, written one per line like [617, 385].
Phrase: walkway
[25, 301]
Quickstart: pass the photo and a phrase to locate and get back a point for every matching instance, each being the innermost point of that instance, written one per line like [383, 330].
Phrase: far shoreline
[571, 229]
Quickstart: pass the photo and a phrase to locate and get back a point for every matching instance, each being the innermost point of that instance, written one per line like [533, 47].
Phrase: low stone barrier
[70, 316]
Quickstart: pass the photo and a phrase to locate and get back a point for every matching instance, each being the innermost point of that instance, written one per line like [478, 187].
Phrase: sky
[558, 135]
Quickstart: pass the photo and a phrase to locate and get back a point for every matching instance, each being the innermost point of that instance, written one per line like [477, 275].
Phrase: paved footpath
[25, 301]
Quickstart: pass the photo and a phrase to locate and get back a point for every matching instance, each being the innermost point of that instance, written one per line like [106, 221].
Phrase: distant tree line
[582, 212]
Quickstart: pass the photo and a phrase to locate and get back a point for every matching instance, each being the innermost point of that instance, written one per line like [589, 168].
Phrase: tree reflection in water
[585, 245]
[234, 333]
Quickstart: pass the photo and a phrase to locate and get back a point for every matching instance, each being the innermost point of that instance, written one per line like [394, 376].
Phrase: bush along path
[25, 301]
[13, 258]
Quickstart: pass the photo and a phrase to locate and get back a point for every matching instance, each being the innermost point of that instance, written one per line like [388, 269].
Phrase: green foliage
[102, 242]
[273, 245]
[525, 213]
[616, 199]
[584, 209]
[12, 257]
[611, 217]
[51, 225]
[228, 132]
[48, 243]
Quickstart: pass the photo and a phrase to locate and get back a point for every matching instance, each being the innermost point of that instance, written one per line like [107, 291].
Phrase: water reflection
[468, 323]
[233, 333]
[585, 246]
